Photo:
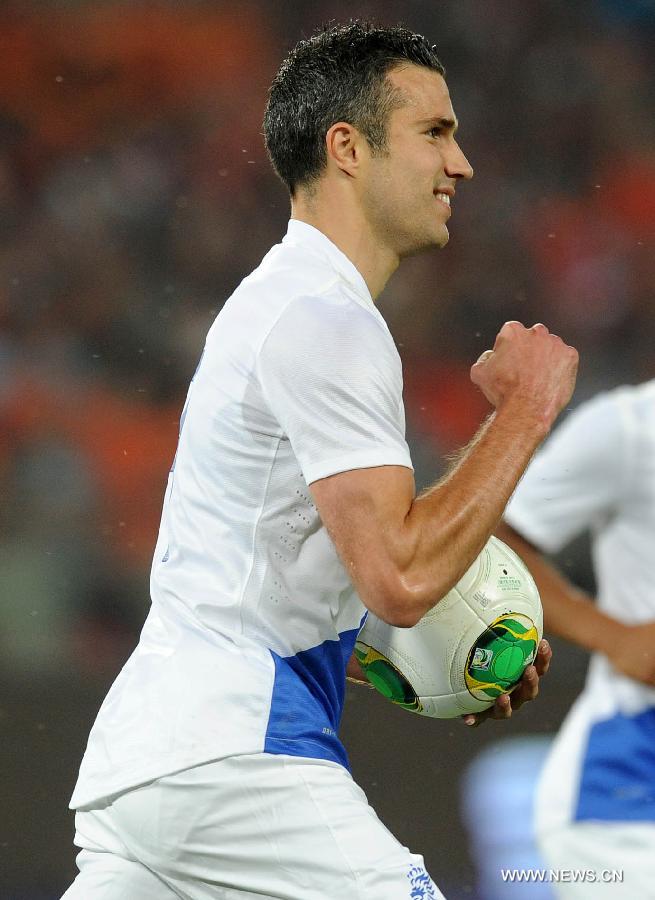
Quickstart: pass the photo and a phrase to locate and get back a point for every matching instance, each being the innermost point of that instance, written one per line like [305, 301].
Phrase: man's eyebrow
[443, 122]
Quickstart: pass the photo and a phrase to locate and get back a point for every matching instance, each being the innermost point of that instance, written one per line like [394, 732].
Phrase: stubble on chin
[446, 237]
[430, 240]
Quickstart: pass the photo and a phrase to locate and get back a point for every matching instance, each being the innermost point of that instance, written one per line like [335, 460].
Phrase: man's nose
[458, 166]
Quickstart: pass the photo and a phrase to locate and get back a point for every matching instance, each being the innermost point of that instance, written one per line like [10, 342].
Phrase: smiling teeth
[445, 198]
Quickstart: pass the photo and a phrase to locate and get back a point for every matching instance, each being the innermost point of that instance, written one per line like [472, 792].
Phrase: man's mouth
[445, 198]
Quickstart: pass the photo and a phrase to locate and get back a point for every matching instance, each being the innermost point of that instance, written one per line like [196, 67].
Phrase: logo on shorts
[421, 885]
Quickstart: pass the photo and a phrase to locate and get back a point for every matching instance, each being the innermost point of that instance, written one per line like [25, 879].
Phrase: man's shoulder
[286, 272]
[301, 290]
[614, 403]
[641, 396]
[262, 296]
[631, 405]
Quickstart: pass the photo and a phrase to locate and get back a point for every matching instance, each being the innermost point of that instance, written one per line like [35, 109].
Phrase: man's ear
[345, 147]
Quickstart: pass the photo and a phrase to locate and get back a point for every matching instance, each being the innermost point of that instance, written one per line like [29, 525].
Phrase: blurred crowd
[135, 193]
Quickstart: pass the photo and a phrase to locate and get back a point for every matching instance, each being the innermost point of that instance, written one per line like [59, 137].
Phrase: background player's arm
[571, 614]
[404, 552]
[568, 612]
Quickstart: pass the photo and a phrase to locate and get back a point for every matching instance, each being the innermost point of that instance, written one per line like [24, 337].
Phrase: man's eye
[436, 131]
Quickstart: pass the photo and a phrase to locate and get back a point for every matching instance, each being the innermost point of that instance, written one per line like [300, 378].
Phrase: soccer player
[214, 769]
[596, 799]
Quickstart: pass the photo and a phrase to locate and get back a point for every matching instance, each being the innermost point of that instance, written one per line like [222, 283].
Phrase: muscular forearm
[448, 525]
[568, 612]
[403, 552]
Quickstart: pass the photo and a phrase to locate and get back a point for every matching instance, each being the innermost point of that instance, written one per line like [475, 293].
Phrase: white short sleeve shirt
[597, 473]
[253, 615]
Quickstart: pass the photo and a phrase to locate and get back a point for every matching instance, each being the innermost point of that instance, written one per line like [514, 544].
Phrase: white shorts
[264, 827]
[602, 848]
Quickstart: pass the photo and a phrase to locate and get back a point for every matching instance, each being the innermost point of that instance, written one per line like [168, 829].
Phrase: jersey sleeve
[577, 480]
[330, 374]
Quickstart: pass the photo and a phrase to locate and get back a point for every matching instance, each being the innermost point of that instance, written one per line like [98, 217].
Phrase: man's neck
[348, 230]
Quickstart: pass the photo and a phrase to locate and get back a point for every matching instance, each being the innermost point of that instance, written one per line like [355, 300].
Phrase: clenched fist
[529, 368]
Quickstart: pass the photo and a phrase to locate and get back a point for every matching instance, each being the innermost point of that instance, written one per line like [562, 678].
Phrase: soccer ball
[467, 650]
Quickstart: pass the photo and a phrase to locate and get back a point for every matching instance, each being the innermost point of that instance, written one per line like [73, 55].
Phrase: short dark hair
[339, 74]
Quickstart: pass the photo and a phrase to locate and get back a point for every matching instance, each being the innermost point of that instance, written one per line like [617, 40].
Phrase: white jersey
[597, 472]
[253, 616]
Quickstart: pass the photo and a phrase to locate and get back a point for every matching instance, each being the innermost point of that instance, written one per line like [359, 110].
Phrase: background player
[596, 802]
[214, 768]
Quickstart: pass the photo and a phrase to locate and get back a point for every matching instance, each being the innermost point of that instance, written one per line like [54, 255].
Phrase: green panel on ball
[508, 663]
[386, 678]
[500, 655]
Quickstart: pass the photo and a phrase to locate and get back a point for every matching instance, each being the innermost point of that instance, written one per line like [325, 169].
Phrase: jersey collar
[305, 235]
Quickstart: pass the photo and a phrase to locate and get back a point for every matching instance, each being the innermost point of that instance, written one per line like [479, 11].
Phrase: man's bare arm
[571, 614]
[568, 611]
[404, 552]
